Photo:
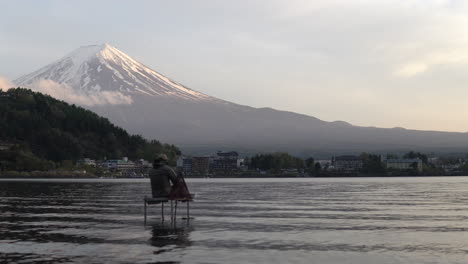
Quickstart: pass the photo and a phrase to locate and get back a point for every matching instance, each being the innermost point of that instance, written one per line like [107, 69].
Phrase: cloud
[424, 64]
[5, 84]
[67, 93]
[411, 69]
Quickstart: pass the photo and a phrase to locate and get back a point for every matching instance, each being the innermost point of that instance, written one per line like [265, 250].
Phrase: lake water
[338, 220]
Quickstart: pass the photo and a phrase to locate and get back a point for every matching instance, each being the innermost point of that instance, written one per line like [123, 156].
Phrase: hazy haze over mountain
[144, 101]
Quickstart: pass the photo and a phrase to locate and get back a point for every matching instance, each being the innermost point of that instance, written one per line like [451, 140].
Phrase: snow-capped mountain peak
[97, 68]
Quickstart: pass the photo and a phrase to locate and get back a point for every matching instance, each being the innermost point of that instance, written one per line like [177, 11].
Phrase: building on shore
[185, 163]
[123, 165]
[404, 164]
[347, 163]
[143, 166]
[241, 165]
[5, 145]
[221, 162]
[86, 162]
[200, 165]
[225, 162]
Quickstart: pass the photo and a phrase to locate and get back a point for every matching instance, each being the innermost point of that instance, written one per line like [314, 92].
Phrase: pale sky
[385, 63]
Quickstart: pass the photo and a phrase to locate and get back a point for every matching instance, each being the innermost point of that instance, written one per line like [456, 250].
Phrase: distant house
[347, 163]
[87, 162]
[143, 166]
[241, 164]
[449, 168]
[225, 161]
[200, 165]
[123, 165]
[404, 164]
[144, 163]
[179, 162]
[5, 145]
[186, 164]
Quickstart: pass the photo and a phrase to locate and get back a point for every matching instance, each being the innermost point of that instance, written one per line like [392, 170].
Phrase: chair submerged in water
[179, 193]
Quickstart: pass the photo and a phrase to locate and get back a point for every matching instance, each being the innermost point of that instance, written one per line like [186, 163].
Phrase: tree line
[372, 164]
[280, 161]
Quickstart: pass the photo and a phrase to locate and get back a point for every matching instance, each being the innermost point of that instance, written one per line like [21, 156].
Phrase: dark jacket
[161, 178]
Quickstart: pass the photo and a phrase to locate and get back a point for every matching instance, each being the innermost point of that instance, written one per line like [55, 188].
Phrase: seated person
[161, 176]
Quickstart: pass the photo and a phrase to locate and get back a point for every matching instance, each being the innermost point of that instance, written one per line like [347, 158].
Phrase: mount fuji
[143, 101]
[97, 68]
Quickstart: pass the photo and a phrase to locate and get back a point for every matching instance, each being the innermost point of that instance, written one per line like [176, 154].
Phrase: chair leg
[175, 211]
[172, 211]
[162, 212]
[144, 205]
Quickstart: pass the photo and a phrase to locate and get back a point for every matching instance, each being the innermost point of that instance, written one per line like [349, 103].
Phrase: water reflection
[12, 258]
[165, 235]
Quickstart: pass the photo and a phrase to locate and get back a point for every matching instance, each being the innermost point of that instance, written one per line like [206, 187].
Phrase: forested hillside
[43, 128]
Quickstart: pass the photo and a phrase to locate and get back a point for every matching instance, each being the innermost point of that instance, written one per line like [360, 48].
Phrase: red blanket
[180, 191]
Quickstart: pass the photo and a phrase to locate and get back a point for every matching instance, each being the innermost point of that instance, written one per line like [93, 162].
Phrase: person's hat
[161, 157]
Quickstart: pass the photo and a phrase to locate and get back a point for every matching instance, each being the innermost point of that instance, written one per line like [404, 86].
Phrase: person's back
[161, 177]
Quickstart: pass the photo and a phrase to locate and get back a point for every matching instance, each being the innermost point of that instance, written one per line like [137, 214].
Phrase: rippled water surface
[354, 220]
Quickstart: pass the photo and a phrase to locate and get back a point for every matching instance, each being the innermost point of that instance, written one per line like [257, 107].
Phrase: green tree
[310, 165]
[372, 164]
[318, 168]
[275, 162]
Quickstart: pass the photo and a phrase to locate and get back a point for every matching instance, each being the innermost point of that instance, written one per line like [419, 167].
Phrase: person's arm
[172, 175]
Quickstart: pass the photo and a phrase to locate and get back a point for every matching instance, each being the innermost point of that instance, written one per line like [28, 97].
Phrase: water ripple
[397, 220]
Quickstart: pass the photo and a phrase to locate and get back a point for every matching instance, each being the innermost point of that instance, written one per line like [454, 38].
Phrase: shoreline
[226, 177]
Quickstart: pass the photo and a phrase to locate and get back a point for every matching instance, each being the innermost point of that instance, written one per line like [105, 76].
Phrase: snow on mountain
[97, 68]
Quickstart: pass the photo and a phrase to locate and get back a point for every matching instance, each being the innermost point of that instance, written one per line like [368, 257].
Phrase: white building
[404, 164]
[347, 163]
[240, 163]
[87, 162]
[144, 164]
[185, 163]
[120, 165]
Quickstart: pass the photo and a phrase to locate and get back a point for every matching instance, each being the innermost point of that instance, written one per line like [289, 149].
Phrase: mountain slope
[164, 109]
